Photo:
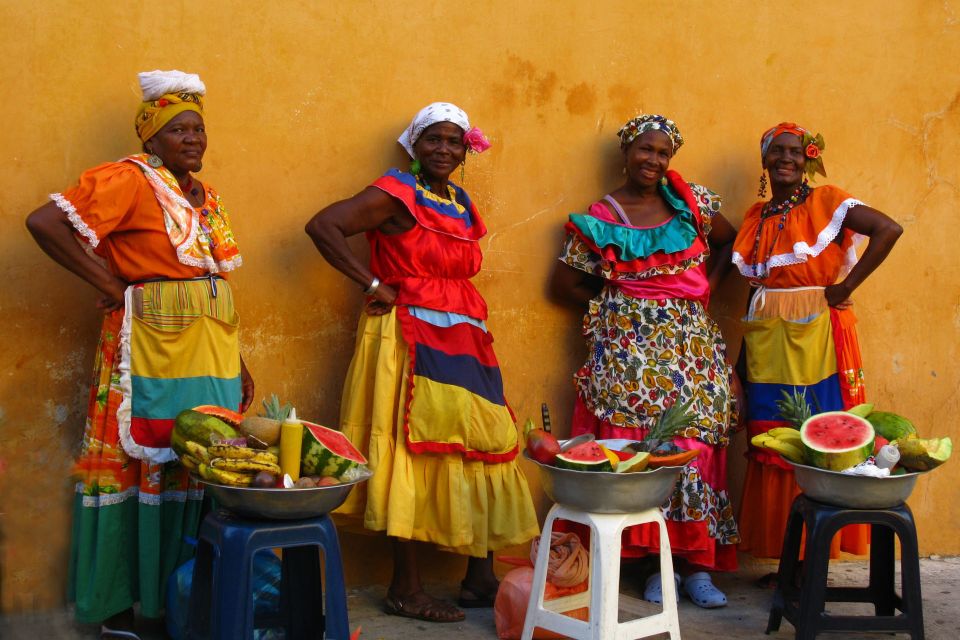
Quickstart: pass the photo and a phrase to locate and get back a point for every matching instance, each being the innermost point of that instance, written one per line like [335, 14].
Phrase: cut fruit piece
[232, 418]
[588, 456]
[673, 459]
[836, 440]
[327, 452]
[862, 410]
[918, 454]
[637, 462]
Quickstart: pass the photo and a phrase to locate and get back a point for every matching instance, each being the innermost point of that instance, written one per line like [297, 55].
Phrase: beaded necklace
[761, 268]
[451, 194]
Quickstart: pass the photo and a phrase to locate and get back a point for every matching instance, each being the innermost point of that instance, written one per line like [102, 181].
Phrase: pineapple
[794, 407]
[273, 410]
[672, 421]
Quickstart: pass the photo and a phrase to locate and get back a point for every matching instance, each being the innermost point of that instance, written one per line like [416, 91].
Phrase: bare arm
[370, 209]
[573, 287]
[722, 235]
[52, 230]
[883, 233]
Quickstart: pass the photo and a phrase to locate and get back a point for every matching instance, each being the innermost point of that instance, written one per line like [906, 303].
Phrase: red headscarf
[773, 132]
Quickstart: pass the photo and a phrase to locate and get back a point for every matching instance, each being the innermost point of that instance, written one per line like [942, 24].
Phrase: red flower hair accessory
[813, 146]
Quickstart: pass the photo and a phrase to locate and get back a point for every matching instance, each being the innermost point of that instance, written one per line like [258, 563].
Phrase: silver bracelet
[372, 289]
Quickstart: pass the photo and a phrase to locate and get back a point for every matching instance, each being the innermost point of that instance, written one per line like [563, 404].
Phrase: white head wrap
[432, 114]
[156, 84]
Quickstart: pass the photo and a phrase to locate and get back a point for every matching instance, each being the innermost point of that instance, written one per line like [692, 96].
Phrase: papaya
[200, 428]
[232, 418]
[890, 425]
[673, 459]
[918, 454]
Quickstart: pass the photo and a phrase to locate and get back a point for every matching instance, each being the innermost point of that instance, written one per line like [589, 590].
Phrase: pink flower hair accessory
[475, 140]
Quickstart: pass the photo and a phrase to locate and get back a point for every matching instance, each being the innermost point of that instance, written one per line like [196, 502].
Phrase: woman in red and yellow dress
[798, 251]
[155, 242]
[424, 397]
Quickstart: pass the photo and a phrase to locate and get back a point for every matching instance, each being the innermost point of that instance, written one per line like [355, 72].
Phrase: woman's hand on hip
[113, 295]
[838, 296]
[382, 300]
[246, 387]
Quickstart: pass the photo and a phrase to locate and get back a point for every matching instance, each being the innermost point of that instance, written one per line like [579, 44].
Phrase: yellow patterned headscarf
[166, 94]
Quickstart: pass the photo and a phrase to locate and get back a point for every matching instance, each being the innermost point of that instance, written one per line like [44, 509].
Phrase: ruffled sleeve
[709, 203]
[102, 200]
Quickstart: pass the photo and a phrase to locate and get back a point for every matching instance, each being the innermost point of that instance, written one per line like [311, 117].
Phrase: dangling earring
[762, 191]
[463, 165]
[415, 167]
[663, 181]
[154, 160]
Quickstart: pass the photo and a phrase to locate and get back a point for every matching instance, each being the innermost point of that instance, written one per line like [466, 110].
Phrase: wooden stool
[602, 595]
[804, 606]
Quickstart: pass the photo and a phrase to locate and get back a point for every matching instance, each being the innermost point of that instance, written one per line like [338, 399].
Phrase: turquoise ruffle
[630, 243]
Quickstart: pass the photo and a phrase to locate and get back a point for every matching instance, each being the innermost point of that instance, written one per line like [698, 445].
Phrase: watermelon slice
[327, 452]
[588, 456]
[836, 440]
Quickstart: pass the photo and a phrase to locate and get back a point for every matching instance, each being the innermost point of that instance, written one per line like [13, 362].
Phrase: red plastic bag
[568, 561]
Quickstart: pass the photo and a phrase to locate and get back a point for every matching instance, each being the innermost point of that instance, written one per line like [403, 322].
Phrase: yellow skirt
[465, 506]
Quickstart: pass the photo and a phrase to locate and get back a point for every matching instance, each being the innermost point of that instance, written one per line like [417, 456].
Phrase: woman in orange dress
[798, 250]
[155, 242]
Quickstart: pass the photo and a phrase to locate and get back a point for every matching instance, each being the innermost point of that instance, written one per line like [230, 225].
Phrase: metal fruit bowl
[280, 504]
[606, 492]
[854, 492]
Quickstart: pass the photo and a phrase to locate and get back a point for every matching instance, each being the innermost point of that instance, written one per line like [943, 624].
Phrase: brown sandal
[422, 606]
[470, 599]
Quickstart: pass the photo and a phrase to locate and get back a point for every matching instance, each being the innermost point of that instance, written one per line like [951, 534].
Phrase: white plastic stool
[604, 582]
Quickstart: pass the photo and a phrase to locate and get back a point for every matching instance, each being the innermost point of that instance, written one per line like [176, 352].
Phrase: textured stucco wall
[305, 102]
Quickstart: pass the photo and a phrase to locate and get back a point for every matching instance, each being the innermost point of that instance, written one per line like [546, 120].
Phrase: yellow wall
[305, 101]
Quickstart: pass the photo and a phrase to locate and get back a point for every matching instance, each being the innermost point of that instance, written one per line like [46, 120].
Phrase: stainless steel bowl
[854, 492]
[280, 504]
[605, 492]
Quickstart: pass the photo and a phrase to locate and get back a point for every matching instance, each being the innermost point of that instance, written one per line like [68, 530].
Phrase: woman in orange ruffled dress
[798, 250]
[155, 243]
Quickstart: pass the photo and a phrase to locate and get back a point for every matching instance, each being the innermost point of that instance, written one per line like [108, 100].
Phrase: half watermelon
[327, 452]
[836, 440]
[588, 456]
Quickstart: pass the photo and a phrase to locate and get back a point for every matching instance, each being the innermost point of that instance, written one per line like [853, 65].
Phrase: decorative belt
[212, 277]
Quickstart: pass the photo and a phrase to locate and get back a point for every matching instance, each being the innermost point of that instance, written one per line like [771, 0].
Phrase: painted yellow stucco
[305, 101]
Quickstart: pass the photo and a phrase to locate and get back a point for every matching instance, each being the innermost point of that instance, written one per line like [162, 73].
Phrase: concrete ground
[744, 617]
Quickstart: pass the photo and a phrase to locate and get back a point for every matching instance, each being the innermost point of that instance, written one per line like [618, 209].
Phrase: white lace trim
[124, 411]
[803, 251]
[108, 499]
[81, 227]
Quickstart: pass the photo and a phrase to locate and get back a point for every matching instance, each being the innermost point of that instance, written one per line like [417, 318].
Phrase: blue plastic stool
[221, 604]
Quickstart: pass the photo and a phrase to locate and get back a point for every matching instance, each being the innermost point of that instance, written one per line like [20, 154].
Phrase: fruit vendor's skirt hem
[699, 515]
[465, 506]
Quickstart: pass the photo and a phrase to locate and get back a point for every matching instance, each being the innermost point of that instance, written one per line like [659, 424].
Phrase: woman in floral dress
[643, 261]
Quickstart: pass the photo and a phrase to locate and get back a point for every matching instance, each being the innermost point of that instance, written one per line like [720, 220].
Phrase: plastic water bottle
[887, 457]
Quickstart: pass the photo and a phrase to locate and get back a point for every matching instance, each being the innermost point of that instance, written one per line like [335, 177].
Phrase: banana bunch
[229, 464]
[783, 440]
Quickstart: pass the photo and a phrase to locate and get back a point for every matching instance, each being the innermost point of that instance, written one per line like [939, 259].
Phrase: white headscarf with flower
[431, 114]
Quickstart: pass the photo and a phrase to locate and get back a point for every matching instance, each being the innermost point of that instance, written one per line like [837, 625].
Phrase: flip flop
[653, 589]
[429, 610]
[106, 633]
[477, 601]
[702, 592]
